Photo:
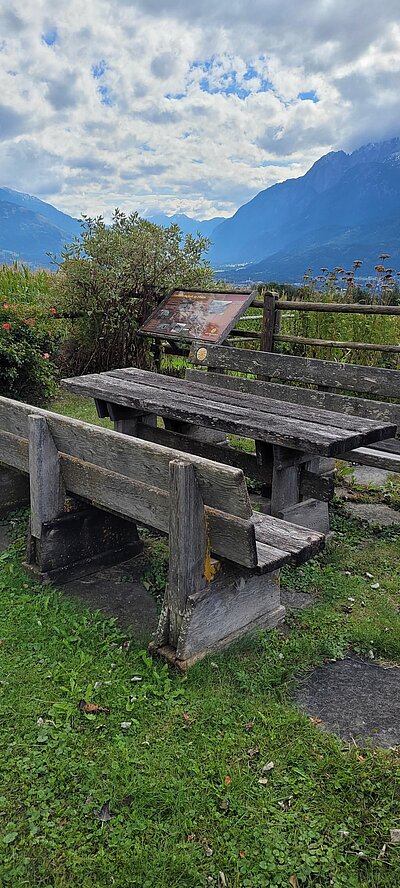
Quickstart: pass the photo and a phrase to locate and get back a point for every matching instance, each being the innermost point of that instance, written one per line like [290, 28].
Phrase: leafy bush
[27, 372]
[111, 279]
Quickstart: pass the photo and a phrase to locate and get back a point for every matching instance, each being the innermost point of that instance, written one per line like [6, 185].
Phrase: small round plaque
[201, 354]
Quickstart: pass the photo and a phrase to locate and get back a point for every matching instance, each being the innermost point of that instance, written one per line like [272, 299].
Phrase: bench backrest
[279, 372]
[130, 476]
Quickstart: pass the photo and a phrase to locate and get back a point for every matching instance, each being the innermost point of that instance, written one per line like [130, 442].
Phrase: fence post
[268, 322]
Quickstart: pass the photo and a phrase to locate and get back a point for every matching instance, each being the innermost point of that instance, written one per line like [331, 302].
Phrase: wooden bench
[89, 487]
[336, 387]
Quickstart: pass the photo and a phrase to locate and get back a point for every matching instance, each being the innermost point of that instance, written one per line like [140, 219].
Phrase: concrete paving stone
[296, 600]
[367, 475]
[355, 699]
[118, 592]
[374, 513]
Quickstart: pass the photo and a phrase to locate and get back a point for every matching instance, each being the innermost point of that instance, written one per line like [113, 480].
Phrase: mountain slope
[186, 224]
[31, 228]
[341, 203]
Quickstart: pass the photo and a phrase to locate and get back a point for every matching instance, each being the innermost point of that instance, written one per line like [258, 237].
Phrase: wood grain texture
[187, 543]
[352, 377]
[367, 456]
[222, 487]
[253, 421]
[338, 307]
[47, 491]
[231, 537]
[300, 542]
[351, 405]
[233, 605]
[192, 386]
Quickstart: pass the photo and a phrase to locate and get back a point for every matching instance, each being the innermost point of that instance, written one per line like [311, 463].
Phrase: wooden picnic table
[291, 436]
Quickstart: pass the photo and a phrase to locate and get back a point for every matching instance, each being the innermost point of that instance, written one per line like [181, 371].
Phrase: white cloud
[174, 106]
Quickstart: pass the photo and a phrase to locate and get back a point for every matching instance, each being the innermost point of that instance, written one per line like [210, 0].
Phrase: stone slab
[296, 600]
[374, 513]
[355, 699]
[367, 475]
[118, 592]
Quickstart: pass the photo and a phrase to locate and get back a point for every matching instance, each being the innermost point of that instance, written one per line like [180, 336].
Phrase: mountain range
[346, 207]
[31, 228]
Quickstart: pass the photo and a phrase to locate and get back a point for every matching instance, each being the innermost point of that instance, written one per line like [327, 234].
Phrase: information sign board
[197, 314]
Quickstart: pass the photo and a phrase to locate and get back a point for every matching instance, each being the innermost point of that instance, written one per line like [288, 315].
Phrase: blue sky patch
[310, 96]
[50, 37]
[98, 69]
[179, 95]
[104, 94]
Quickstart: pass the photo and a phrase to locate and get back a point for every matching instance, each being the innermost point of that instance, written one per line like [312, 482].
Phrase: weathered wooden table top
[307, 429]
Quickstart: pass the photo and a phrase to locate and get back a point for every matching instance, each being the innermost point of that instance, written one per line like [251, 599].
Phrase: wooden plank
[391, 445]
[187, 543]
[367, 456]
[332, 343]
[300, 542]
[47, 490]
[338, 307]
[234, 604]
[306, 370]
[311, 483]
[230, 537]
[349, 404]
[222, 487]
[14, 451]
[316, 486]
[310, 437]
[260, 403]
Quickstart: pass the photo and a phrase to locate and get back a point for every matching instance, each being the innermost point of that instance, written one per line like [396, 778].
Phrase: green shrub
[112, 278]
[27, 372]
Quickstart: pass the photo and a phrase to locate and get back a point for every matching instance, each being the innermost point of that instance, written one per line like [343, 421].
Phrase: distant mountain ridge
[346, 207]
[186, 223]
[31, 228]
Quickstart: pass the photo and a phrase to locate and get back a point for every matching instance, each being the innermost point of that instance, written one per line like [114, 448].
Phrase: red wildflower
[6, 327]
[53, 311]
[5, 305]
[185, 715]
[46, 355]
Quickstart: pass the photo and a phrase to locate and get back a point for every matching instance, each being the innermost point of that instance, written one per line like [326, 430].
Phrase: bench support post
[202, 614]
[46, 483]
[187, 544]
[66, 538]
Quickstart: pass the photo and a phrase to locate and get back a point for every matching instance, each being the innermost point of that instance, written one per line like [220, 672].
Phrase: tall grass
[18, 283]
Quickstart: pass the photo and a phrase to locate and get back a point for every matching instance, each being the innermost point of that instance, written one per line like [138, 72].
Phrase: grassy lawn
[180, 758]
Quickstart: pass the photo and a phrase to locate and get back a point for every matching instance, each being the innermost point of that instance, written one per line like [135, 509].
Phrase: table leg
[127, 420]
[286, 498]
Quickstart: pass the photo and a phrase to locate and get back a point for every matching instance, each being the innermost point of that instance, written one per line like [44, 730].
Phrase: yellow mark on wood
[201, 354]
[211, 566]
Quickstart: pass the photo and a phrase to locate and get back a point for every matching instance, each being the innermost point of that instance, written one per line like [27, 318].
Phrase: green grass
[187, 807]
[183, 780]
[79, 408]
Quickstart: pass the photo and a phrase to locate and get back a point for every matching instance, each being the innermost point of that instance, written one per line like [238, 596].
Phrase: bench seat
[280, 542]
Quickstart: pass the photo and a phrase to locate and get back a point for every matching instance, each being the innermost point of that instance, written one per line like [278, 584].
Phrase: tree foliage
[111, 279]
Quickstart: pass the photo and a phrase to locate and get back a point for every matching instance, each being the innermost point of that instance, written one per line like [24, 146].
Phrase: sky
[182, 106]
